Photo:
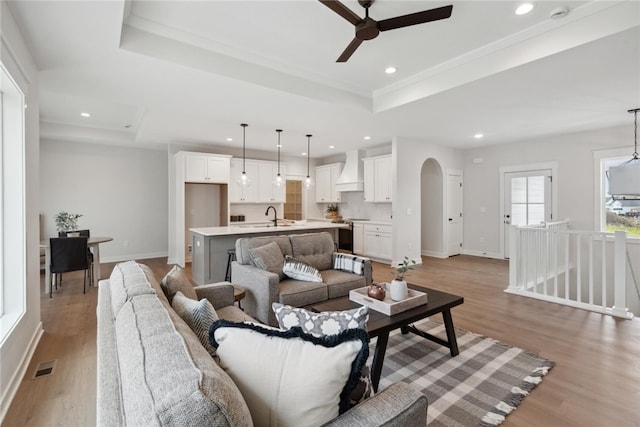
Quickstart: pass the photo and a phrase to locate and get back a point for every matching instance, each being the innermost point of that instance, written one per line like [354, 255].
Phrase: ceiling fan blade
[342, 10]
[349, 50]
[415, 18]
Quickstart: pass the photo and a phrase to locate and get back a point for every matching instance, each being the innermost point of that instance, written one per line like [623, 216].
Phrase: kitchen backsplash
[255, 212]
[352, 205]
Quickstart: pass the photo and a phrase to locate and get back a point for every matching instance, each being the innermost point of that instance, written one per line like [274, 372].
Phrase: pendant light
[624, 179]
[307, 181]
[244, 178]
[278, 176]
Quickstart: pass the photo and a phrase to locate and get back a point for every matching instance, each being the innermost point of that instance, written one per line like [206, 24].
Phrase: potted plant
[332, 210]
[398, 286]
[66, 222]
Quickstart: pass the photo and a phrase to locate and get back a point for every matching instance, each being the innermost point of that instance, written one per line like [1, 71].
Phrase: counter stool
[231, 256]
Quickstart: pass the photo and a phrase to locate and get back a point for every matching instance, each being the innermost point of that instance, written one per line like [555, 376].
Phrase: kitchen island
[210, 244]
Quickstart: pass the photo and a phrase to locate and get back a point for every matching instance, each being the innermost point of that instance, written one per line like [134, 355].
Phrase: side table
[238, 294]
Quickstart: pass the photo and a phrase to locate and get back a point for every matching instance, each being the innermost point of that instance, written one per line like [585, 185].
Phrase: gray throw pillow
[300, 270]
[199, 315]
[268, 257]
[177, 280]
[329, 323]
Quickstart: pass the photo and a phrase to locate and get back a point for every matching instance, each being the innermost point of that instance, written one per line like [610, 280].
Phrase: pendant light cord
[244, 128]
[278, 130]
[308, 152]
[635, 133]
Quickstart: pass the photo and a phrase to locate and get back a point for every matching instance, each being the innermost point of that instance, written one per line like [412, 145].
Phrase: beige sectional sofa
[265, 287]
[154, 371]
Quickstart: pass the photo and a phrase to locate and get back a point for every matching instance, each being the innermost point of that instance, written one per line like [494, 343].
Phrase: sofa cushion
[289, 377]
[298, 293]
[314, 248]
[177, 280]
[199, 315]
[234, 314]
[268, 257]
[167, 377]
[245, 243]
[127, 281]
[300, 270]
[339, 283]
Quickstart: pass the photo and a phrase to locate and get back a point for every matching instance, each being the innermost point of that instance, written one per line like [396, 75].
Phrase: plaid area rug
[479, 387]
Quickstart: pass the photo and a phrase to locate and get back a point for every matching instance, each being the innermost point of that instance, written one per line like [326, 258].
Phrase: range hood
[351, 178]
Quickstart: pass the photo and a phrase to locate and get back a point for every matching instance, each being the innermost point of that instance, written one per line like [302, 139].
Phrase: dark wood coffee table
[379, 324]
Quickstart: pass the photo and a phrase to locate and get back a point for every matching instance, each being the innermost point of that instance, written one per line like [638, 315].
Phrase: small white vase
[398, 290]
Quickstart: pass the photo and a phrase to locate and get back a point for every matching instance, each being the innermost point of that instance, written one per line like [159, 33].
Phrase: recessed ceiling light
[478, 136]
[390, 70]
[524, 8]
[85, 114]
[367, 138]
[332, 146]
[229, 139]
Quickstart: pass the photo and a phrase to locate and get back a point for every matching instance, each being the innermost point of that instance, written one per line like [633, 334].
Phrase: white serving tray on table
[388, 306]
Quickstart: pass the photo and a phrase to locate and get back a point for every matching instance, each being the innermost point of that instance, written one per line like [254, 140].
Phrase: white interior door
[454, 214]
[527, 200]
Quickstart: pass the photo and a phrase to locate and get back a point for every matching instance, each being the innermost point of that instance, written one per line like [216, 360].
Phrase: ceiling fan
[368, 28]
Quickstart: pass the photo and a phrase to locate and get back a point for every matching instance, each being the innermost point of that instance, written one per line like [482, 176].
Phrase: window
[617, 214]
[12, 206]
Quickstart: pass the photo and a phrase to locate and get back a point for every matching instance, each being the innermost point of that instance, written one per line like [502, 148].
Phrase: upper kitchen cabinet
[268, 191]
[237, 192]
[377, 179]
[326, 177]
[261, 188]
[206, 168]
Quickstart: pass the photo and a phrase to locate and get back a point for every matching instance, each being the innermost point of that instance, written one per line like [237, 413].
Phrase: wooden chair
[68, 254]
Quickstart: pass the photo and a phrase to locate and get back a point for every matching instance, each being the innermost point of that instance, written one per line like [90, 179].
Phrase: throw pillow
[300, 270]
[268, 257]
[199, 315]
[288, 377]
[329, 323]
[176, 280]
[318, 324]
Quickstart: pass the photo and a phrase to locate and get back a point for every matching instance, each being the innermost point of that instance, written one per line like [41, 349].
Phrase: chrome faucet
[275, 215]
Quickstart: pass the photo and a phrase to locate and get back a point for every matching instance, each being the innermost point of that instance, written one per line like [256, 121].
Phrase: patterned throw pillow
[329, 323]
[300, 270]
[177, 280]
[268, 257]
[289, 377]
[199, 315]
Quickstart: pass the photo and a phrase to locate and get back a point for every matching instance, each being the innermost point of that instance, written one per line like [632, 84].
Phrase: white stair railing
[581, 269]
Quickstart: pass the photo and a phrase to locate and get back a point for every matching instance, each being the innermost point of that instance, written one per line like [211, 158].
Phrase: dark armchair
[68, 254]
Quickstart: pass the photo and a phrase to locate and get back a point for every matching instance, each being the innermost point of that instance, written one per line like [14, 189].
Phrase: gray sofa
[153, 370]
[265, 287]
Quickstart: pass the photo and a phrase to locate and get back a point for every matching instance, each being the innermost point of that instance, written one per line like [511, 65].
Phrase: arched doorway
[432, 209]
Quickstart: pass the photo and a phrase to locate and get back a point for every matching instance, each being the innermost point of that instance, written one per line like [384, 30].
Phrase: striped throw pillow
[199, 315]
[300, 270]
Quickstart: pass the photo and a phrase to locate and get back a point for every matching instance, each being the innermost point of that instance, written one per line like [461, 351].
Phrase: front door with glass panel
[527, 200]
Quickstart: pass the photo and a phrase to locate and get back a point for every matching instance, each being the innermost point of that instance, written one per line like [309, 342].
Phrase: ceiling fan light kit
[368, 28]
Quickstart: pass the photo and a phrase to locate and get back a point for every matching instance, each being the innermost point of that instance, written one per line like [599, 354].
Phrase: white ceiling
[158, 72]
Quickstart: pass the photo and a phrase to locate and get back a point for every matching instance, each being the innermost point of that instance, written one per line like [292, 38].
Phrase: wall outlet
[190, 248]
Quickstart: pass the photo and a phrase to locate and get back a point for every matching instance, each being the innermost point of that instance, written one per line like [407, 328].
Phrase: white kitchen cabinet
[268, 191]
[206, 168]
[377, 241]
[378, 175]
[326, 177]
[358, 238]
[239, 193]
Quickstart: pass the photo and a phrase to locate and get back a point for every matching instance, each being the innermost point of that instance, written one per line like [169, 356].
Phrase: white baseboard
[120, 258]
[435, 254]
[483, 254]
[18, 375]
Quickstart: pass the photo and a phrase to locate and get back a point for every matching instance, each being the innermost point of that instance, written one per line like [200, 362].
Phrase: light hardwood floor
[596, 380]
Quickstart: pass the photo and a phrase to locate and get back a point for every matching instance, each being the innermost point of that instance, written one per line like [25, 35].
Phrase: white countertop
[258, 229]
